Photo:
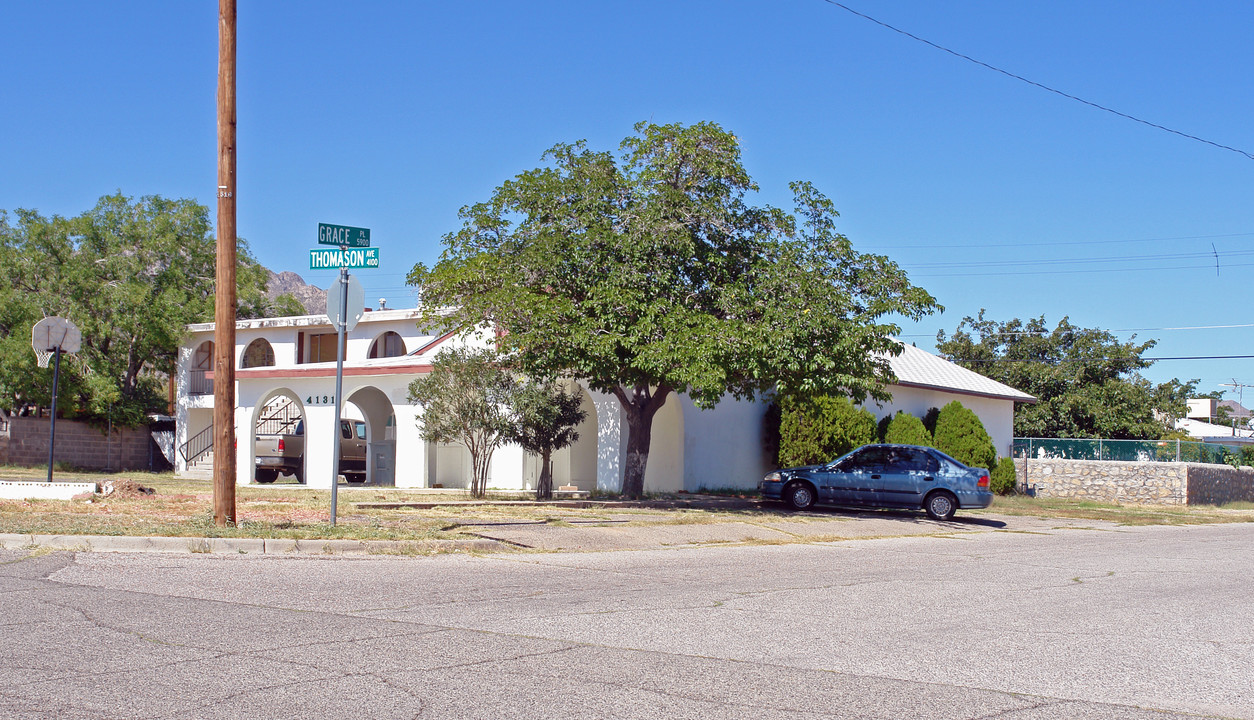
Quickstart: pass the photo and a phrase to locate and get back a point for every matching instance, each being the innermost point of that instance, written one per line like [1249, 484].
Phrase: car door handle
[929, 478]
[875, 477]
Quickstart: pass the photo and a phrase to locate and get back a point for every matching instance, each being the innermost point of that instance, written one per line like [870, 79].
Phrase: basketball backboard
[53, 332]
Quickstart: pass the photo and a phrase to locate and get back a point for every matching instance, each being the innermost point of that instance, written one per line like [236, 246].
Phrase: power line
[1020, 246]
[1097, 360]
[1091, 260]
[1173, 268]
[1033, 83]
[1043, 334]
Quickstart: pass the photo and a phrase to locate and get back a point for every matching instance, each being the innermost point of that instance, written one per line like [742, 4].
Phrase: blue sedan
[891, 476]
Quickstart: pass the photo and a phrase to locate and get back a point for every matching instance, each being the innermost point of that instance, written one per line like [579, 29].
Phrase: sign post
[354, 251]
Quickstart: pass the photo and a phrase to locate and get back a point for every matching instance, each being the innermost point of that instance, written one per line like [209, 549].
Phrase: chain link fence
[1134, 450]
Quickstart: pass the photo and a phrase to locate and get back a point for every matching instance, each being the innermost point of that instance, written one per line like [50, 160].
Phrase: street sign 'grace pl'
[343, 235]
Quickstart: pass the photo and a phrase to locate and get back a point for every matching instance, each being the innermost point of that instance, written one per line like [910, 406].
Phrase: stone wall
[79, 444]
[1137, 483]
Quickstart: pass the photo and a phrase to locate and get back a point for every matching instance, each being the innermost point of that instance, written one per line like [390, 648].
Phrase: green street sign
[343, 235]
[352, 258]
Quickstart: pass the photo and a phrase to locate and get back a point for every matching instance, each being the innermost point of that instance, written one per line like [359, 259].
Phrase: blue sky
[392, 115]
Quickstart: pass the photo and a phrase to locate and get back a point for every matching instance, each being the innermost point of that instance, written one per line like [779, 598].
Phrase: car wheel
[266, 476]
[940, 505]
[799, 496]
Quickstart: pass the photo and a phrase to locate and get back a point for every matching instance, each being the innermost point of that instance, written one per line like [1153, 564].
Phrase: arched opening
[369, 456]
[278, 438]
[665, 471]
[389, 344]
[202, 363]
[577, 464]
[448, 465]
[259, 353]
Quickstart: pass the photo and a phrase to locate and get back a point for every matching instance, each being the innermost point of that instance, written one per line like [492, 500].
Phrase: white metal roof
[919, 368]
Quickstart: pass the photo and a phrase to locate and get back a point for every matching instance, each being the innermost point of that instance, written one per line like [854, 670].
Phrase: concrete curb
[245, 546]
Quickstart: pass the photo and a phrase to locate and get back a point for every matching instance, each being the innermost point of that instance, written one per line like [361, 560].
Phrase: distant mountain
[313, 298]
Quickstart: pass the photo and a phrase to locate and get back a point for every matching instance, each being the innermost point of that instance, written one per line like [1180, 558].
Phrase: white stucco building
[286, 374]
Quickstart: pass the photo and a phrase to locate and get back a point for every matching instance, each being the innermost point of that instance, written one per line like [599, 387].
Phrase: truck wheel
[266, 476]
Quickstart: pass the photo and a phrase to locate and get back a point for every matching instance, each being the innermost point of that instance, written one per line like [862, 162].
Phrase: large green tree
[1086, 380]
[131, 274]
[647, 272]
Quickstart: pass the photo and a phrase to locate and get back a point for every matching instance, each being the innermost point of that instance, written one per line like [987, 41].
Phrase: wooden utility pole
[224, 305]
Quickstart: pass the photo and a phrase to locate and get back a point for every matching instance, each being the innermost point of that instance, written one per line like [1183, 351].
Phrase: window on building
[202, 363]
[389, 344]
[322, 348]
[259, 353]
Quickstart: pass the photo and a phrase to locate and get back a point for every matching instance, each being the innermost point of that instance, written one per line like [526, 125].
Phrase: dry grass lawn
[182, 507]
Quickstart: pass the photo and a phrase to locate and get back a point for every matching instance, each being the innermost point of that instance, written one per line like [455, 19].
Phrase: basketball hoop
[51, 337]
[52, 333]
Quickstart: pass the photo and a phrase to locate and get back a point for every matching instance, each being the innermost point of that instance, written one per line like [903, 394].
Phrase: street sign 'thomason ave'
[334, 259]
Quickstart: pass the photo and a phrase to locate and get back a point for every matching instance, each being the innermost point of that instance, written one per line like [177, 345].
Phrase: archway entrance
[665, 471]
[278, 438]
[576, 465]
[378, 418]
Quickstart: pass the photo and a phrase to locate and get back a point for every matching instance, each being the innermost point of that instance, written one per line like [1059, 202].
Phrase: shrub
[906, 429]
[1003, 480]
[960, 433]
[929, 420]
[821, 429]
[881, 429]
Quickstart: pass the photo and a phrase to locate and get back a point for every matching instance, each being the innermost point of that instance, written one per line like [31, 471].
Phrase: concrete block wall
[79, 444]
[4, 440]
[1219, 484]
[1137, 483]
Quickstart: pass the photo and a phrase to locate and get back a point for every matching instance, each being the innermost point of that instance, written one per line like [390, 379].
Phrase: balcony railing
[199, 384]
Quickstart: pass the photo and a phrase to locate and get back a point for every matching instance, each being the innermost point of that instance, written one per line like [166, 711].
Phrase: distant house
[1204, 424]
[285, 378]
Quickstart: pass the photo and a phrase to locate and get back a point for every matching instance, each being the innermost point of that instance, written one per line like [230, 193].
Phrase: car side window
[859, 461]
[346, 430]
[871, 459]
[361, 431]
[919, 461]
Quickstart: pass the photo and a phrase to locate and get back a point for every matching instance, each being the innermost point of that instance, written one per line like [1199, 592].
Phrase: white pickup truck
[285, 454]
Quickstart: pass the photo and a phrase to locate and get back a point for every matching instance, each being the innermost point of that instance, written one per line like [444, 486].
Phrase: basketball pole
[52, 424]
[224, 299]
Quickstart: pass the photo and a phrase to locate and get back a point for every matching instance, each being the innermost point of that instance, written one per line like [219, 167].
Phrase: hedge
[821, 429]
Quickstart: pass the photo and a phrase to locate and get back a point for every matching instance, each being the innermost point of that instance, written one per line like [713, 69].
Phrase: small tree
[818, 430]
[906, 429]
[960, 434]
[545, 418]
[467, 399]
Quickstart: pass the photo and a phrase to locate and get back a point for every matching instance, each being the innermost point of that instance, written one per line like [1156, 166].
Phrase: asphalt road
[1050, 624]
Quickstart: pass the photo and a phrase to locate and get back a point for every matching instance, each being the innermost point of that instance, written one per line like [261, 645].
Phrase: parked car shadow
[910, 516]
